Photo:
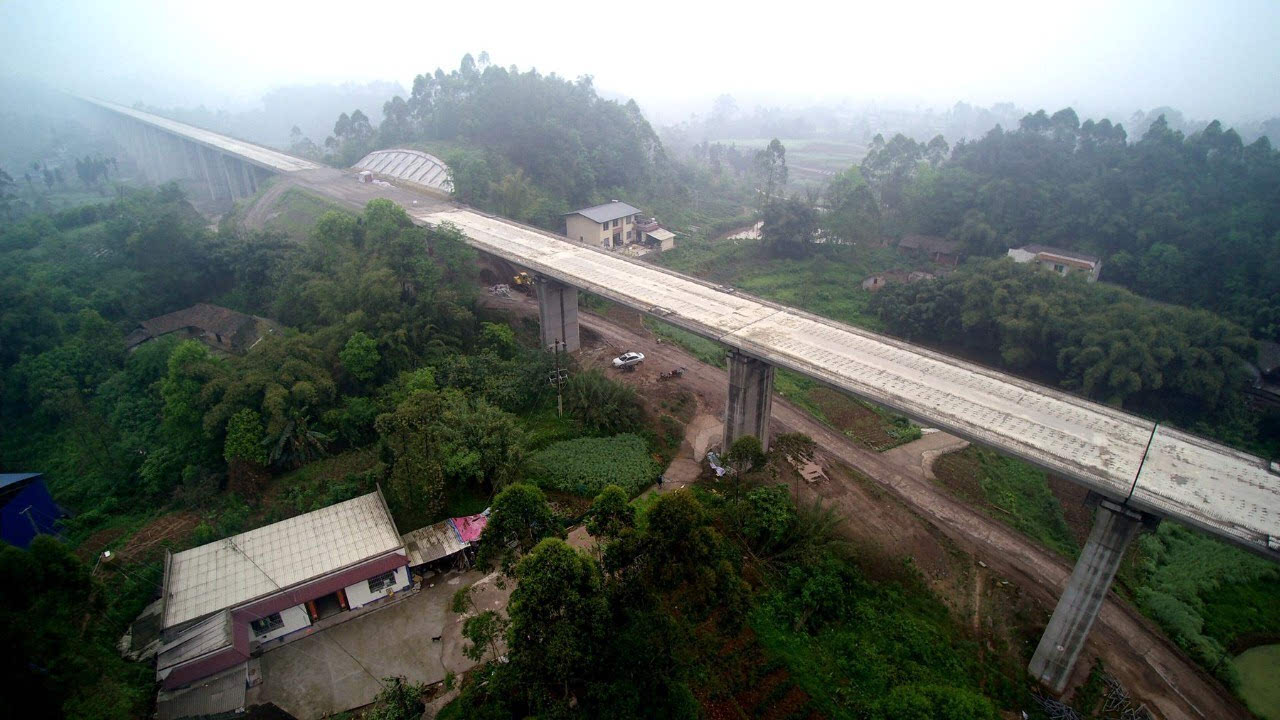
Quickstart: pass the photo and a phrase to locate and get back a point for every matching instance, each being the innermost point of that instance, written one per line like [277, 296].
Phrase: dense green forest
[1176, 364]
[723, 599]
[530, 146]
[388, 371]
[1193, 220]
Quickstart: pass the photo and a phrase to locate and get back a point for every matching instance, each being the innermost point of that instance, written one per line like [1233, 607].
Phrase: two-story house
[614, 225]
[610, 225]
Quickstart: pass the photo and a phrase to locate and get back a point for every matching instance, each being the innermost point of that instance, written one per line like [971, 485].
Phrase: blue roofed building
[26, 509]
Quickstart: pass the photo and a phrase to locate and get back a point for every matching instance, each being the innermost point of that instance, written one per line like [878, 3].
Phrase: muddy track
[256, 217]
[1149, 665]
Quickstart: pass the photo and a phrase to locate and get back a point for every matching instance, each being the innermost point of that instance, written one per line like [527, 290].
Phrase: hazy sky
[1209, 59]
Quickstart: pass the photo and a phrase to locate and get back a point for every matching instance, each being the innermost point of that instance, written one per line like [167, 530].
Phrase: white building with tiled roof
[226, 597]
[1063, 262]
[610, 225]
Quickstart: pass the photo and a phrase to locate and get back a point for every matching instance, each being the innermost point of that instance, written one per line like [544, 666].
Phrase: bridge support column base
[750, 399]
[1114, 527]
[558, 314]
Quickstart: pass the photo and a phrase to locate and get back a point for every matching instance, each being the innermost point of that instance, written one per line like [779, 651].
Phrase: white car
[629, 360]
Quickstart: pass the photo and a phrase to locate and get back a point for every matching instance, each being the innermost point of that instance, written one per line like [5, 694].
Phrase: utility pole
[557, 377]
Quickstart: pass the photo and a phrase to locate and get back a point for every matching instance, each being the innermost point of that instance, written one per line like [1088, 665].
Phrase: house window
[628, 234]
[605, 226]
[1060, 269]
[378, 583]
[267, 624]
[628, 219]
[616, 223]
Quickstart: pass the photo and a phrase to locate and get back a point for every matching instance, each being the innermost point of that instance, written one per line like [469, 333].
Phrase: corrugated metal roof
[660, 234]
[200, 639]
[219, 695]
[606, 212]
[7, 479]
[240, 568]
[432, 543]
[413, 166]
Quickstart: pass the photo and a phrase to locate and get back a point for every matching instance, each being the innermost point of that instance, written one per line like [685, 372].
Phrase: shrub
[602, 405]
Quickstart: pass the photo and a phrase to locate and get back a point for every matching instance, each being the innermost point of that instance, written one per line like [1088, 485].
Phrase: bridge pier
[558, 314]
[1114, 528]
[750, 399]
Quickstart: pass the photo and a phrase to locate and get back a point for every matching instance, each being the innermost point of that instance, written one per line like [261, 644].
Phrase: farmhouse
[615, 225]
[226, 600]
[1063, 262]
[218, 327]
[939, 249]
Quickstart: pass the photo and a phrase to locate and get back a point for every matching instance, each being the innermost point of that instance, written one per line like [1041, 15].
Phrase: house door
[326, 606]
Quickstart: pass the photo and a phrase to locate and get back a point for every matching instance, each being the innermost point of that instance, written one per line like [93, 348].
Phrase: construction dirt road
[984, 569]
[965, 555]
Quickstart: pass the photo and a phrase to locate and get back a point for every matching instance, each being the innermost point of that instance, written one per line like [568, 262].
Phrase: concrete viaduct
[165, 149]
[1137, 471]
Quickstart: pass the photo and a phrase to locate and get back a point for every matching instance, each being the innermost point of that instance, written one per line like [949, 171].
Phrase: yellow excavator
[525, 283]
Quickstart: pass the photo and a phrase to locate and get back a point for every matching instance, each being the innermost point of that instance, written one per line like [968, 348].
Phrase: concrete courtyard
[340, 668]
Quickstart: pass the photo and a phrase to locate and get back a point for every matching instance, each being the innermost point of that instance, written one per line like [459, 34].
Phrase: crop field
[811, 161]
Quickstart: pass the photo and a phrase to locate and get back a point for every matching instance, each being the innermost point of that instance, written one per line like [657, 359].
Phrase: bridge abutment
[558, 314]
[1114, 528]
[750, 399]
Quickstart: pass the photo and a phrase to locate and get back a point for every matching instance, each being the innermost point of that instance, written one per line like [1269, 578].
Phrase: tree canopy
[1191, 219]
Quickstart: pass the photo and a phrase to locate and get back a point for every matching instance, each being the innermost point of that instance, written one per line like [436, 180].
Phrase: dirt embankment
[888, 501]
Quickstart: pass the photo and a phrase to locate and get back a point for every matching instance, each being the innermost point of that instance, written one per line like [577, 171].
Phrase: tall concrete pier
[750, 399]
[558, 314]
[1114, 527]
[1157, 470]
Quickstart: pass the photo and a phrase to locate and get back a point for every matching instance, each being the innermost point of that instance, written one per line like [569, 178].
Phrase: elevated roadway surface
[263, 157]
[1128, 459]
[1124, 457]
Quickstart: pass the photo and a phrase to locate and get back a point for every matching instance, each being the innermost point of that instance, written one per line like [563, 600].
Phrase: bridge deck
[1228, 493]
[263, 157]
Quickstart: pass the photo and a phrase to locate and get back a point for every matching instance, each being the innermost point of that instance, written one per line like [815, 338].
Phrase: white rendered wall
[295, 618]
[358, 595]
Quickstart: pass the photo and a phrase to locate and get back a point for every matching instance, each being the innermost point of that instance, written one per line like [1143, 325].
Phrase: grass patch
[296, 212]
[1011, 491]
[642, 504]
[543, 427]
[875, 640]
[1258, 682]
[866, 423]
[320, 484]
[827, 282]
[707, 351]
